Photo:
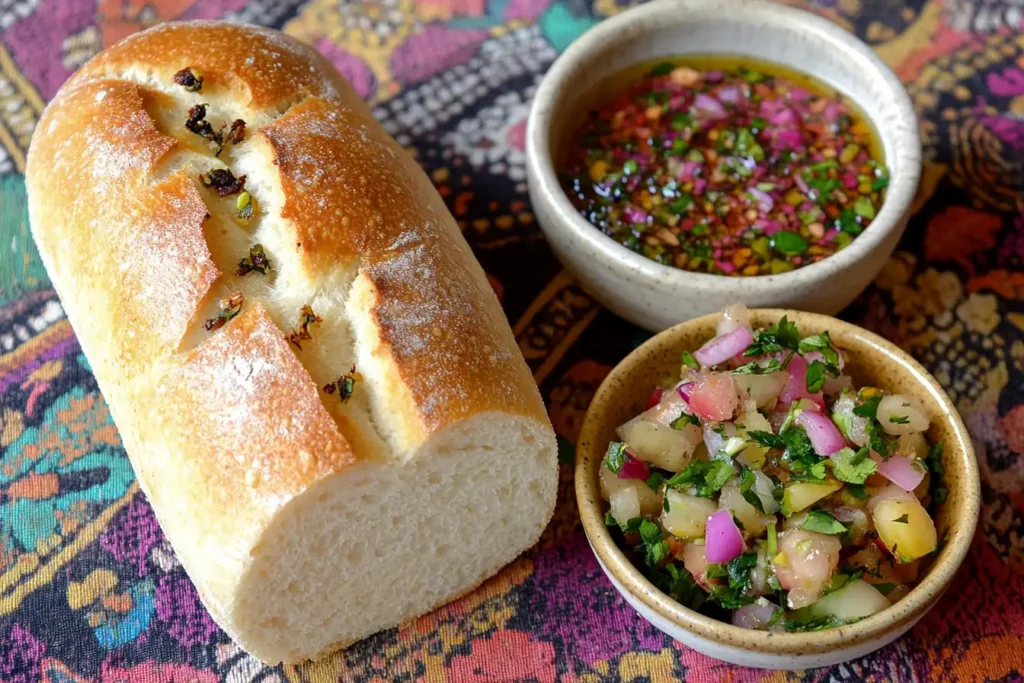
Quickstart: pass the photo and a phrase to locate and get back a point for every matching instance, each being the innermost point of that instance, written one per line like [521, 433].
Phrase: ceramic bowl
[656, 296]
[871, 360]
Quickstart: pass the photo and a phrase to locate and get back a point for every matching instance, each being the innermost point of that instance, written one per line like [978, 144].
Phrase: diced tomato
[714, 397]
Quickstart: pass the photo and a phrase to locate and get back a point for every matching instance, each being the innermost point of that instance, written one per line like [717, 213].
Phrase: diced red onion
[782, 117]
[788, 138]
[729, 93]
[763, 199]
[798, 94]
[901, 471]
[689, 169]
[684, 390]
[723, 541]
[714, 76]
[655, 398]
[635, 215]
[706, 104]
[632, 468]
[817, 356]
[796, 385]
[824, 436]
[753, 616]
[721, 349]
[832, 111]
[801, 183]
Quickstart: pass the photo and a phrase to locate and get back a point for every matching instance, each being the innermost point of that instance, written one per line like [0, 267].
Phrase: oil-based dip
[726, 166]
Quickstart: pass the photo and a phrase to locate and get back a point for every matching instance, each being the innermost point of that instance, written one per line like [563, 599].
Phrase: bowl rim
[590, 47]
[902, 614]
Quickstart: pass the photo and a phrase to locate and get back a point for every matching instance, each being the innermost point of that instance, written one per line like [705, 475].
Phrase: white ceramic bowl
[656, 296]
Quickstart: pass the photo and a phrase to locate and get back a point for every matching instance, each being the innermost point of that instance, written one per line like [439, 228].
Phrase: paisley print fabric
[91, 591]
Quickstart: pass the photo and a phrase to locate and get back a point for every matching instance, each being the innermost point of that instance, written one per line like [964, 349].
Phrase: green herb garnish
[851, 467]
[615, 456]
[823, 522]
[705, 477]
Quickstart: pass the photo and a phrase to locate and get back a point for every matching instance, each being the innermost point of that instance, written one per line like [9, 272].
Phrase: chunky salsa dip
[764, 488]
[732, 171]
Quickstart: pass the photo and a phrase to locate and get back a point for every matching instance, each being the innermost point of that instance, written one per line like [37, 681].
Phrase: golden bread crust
[226, 424]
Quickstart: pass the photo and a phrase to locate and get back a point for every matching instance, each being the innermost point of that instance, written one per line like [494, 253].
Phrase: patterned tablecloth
[89, 588]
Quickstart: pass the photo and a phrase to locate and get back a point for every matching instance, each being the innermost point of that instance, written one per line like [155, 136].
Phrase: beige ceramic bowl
[871, 360]
[656, 296]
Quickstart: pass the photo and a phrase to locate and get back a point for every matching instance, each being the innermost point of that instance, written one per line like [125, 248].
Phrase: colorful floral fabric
[91, 591]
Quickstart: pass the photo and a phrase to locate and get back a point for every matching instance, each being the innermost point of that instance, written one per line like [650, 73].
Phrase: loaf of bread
[315, 383]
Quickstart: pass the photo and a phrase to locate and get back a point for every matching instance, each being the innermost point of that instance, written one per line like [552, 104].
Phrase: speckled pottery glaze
[871, 360]
[656, 296]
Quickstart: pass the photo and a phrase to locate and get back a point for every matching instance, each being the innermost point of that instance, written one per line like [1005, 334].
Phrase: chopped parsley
[747, 481]
[868, 409]
[655, 479]
[689, 361]
[899, 419]
[903, 519]
[851, 467]
[823, 522]
[615, 456]
[799, 456]
[734, 591]
[822, 343]
[767, 439]
[655, 546]
[679, 585]
[803, 622]
[816, 376]
[705, 477]
[685, 419]
[857, 491]
[755, 368]
[779, 337]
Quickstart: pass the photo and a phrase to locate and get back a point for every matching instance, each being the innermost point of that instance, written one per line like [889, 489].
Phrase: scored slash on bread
[289, 507]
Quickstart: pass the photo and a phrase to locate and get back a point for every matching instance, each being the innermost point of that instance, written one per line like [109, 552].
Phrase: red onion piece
[782, 117]
[723, 541]
[796, 385]
[708, 105]
[684, 390]
[721, 349]
[753, 616]
[763, 199]
[729, 93]
[634, 469]
[901, 471]
[635, 215]
[655, 398]
[824, 436]
[801, 183]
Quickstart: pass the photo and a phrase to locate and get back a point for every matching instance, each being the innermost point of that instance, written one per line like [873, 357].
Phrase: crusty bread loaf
[319, 479]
